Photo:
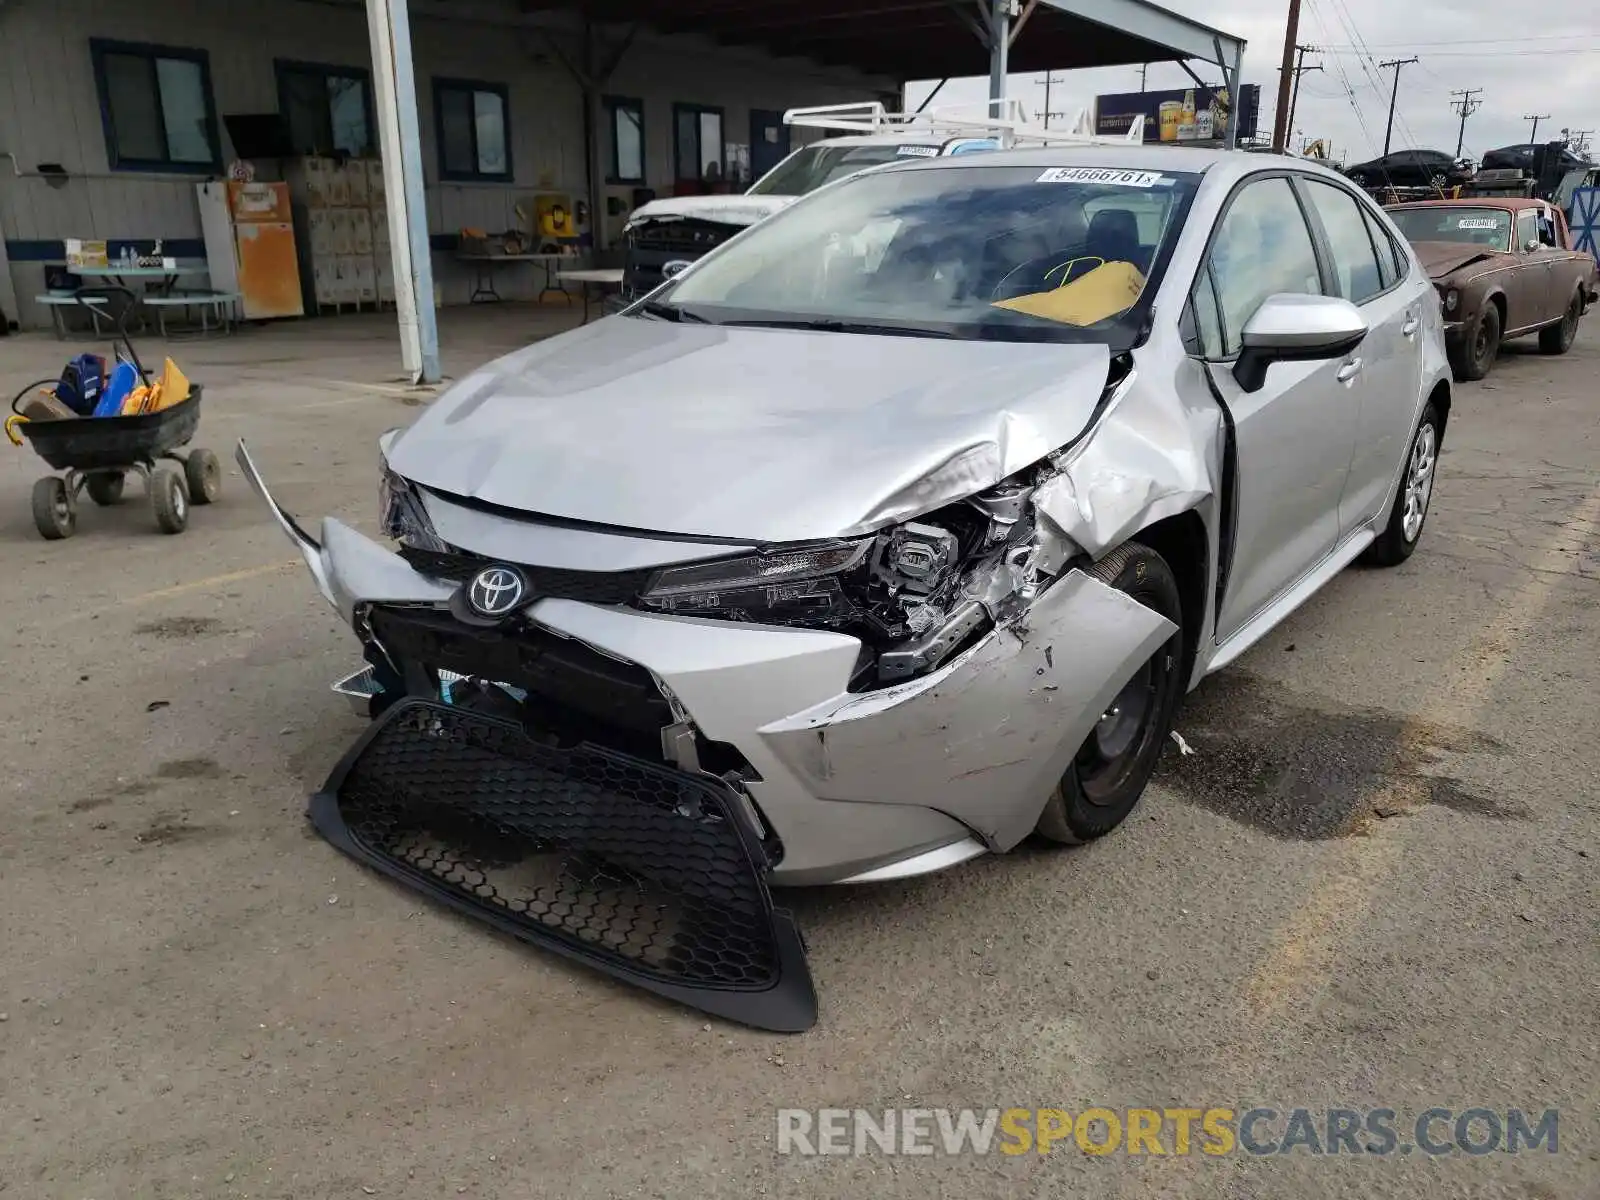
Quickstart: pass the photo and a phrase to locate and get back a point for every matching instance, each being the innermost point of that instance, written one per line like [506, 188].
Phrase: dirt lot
[1373, 884]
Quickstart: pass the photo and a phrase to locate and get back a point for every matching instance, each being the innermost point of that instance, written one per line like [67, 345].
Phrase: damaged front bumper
[833, 785]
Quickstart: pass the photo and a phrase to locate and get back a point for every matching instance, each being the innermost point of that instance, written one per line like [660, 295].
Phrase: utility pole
[1144, 71]
[1466, 106]
[1048, 80]
[1394, 96]
[1579, 139]
[1300, 69]
[1535, 118]
[1286, 77]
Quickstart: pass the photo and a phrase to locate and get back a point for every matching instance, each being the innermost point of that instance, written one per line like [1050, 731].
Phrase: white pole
[394, 88]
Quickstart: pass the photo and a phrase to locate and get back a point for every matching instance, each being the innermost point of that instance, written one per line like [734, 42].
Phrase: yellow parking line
[213, 581]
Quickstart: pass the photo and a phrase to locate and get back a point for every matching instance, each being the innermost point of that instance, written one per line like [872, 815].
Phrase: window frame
[151, 51]
[282, 67]
[1216, 228]
[1319, 237]
[442, 84]
[699, 110]
[635, 105]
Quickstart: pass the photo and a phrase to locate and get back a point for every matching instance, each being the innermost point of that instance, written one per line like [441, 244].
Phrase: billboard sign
[1197, 114]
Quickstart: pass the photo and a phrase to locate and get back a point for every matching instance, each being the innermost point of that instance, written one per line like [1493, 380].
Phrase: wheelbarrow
[97, 454]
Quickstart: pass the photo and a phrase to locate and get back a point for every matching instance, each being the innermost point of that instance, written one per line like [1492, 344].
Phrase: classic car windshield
[1005, 252]
[814, 166]
[1487, 227]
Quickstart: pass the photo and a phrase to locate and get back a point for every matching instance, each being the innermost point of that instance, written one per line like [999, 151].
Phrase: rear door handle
[1410, 327]
[1350, 370]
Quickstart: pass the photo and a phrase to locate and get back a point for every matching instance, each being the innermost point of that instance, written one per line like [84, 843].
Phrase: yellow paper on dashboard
[1104, 292]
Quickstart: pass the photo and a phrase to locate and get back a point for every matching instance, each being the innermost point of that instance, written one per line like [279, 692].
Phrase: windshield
[1487, 227]
[1018, 253]
[808, 169]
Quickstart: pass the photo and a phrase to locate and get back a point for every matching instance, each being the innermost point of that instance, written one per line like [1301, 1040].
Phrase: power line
[1394, 96]
[1466, 105]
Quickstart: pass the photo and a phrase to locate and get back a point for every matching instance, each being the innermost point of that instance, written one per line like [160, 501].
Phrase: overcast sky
[1527, 57]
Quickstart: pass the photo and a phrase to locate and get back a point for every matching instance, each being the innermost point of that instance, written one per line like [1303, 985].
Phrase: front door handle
[1350, 370]
[1410, 327]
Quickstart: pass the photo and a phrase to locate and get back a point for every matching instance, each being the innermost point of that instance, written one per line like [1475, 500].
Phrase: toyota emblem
[496, 591]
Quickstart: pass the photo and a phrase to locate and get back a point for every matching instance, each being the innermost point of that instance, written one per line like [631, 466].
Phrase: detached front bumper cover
[649, 874]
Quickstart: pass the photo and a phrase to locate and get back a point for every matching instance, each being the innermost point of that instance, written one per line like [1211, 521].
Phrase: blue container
[124, 378]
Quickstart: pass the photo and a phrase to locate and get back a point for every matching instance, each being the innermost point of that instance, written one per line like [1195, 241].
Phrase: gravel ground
[1373, 884]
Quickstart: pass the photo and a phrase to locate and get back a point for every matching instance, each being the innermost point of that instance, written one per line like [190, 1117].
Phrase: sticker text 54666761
[1102, 175]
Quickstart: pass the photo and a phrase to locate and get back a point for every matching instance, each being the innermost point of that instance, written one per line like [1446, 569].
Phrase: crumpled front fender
[348, 567]
[985, 738]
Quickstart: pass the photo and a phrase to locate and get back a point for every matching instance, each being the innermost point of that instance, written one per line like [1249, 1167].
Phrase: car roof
[1189, 160]
[1510, 203]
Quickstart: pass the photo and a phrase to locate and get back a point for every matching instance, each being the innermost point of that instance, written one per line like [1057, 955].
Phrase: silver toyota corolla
[888, 534]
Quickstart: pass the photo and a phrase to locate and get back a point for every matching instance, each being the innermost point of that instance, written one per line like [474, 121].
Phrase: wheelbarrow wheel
[169, 499]
[106, 490]
[204, 475]
[54, 513]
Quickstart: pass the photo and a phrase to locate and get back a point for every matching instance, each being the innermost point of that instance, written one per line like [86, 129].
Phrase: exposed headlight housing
[401, 513]
[1451, 300]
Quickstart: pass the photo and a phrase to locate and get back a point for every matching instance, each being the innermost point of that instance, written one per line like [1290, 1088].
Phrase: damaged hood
[751, 434]
[1442, 259]
[725, 210]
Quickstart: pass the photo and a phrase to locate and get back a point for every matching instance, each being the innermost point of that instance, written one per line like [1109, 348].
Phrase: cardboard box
[81, 253]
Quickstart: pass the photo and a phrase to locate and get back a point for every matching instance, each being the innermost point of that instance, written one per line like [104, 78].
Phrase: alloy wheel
[1419, 482]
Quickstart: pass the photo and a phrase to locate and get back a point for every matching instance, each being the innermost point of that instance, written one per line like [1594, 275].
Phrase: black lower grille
[647, 873]
[557, 583]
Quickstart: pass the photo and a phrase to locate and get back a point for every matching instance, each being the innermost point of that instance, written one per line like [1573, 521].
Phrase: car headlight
[1452, 300]
[778, 567]
[401, 513]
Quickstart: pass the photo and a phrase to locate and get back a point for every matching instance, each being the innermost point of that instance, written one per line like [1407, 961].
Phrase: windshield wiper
[670, 312]
[834, 325]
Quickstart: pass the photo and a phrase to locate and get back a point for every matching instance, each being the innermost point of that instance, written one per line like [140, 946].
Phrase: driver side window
[1262, 247]
[1527, 230]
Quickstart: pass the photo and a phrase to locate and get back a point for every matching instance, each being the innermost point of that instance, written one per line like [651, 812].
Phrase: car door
[1384, 392]
[1528, 282]
[1293, 437]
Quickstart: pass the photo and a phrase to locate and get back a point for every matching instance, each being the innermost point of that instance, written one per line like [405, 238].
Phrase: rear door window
[1355, 260]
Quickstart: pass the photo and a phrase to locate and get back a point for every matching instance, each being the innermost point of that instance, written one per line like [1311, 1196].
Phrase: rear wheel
[169, 500]
[54, 514]
[203, 473]
[1112, 767]
[105, 490]
[1558, 338]
[1399, 538]
[1477, 352]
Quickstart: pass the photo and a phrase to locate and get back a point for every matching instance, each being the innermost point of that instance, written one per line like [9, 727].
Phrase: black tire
[169, 500]
[55, 515]
[105, 490]
[203, 473]
[1112, 767]
[1399, 539]
[1558, 338]
[1477, 352]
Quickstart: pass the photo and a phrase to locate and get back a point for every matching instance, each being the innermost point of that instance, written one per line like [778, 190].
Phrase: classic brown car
[1503, 268]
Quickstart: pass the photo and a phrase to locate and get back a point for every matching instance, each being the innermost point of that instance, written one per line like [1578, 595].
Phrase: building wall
[50, 111]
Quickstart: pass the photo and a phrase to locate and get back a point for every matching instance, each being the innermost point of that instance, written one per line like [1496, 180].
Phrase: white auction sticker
[1477, 223]
[918, 151]
[1138, 179]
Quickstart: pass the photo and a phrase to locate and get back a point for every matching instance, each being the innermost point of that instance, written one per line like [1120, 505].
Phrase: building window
[328, 109]
[627, 140]
[156, 107]
[473, 127]
[697, 142]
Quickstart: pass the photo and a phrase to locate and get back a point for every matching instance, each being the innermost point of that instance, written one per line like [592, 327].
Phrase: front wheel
[1112, 767]
[1399, 538]
[1477, 352]
[54, 514]
[169, 500]
[1558, 338]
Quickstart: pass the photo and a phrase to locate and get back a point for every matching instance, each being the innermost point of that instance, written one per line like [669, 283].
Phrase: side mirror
[1293, 328]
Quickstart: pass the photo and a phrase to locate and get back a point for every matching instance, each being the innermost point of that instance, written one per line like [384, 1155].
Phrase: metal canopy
[901, 40]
